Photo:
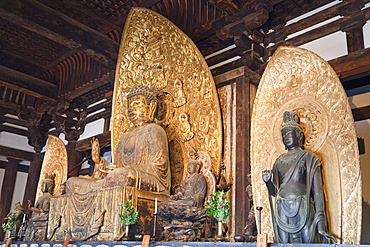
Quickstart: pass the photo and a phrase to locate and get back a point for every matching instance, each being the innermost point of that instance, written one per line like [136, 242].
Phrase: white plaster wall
[20, 186]
[363, 131]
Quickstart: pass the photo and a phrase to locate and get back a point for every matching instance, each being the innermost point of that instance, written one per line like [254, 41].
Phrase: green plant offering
[12, 221]
[129, 213]
[218, 206]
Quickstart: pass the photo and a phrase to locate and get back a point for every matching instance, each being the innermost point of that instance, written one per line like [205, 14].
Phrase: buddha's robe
[191, 193]
[141, 160]
[297, 177]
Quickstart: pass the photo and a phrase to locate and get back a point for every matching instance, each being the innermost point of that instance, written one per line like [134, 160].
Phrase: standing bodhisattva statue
[295, 181]
[141, 160]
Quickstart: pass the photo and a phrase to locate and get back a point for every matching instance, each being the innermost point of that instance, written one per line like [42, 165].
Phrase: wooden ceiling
[58, 54]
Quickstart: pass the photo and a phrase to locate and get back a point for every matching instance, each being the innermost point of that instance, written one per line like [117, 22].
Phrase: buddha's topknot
[144, 91]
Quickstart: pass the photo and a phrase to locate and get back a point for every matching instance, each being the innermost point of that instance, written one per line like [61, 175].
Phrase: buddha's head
[141, 105]
[291, 131]
[48, 183]
[193, 166]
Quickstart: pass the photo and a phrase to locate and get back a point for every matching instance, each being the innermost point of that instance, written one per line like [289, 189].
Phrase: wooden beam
[89, 86]
[253, 77]
[15, 121]
[13, 130]
[28, 84]
[354, 63]
[223, 56]
[361, 113]
[16, 153]
[55, 26]
[85, 144]
[251, 21]
[21, 168]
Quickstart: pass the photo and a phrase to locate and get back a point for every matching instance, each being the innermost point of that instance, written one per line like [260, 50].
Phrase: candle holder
[261, 238]
[153, 238]
[259, 219]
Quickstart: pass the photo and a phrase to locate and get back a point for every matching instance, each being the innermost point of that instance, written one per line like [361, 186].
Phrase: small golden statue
[141, 159]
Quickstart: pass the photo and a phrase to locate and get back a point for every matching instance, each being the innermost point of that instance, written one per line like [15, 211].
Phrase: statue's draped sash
[298, 80]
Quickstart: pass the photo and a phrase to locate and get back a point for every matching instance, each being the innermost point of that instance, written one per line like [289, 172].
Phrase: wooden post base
[262, 240]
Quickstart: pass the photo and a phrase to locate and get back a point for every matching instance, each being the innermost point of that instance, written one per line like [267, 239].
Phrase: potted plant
[218, 207]
[10, 224]
[128, 217]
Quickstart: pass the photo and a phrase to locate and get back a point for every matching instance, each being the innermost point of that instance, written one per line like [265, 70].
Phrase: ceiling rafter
[61, 29]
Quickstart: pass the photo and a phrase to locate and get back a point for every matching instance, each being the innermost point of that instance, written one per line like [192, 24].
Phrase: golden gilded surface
[299, 80]
[155, 53]
[55, 162]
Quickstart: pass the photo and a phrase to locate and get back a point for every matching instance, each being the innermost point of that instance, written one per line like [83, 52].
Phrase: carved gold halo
[313, 122]
[55, 162]
[155, 53]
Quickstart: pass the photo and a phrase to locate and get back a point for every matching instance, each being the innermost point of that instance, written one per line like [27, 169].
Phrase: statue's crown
[49, 177]
[142, 90]
[291, 120]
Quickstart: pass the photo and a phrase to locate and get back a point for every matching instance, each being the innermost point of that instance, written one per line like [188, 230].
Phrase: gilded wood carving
[299, 80]
[155, 53]
[55, 162]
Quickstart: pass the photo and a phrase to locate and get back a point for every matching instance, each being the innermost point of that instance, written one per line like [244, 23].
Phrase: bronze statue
[296, 183]
[141, 160]
[193, 190]
[42, 205]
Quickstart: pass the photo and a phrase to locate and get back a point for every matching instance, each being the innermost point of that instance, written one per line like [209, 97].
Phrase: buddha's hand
[327, 236]
[321, 229]
[95, 150]
[266, 175]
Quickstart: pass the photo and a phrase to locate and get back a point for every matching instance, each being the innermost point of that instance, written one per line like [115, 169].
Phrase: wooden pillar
[74, 157]
[32, 180]
[242, 140]
[7, 189]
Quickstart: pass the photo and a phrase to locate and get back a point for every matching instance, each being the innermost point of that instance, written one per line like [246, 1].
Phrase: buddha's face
[138, 110]
[290, 138]
[192, 167]
[46, 187]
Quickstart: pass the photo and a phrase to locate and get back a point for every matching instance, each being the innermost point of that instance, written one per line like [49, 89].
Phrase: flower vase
[126, 234]
[219, 237]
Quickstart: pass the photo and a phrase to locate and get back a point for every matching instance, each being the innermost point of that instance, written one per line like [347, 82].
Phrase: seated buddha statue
[141, 159]
[183, 214]
[192, 191]
[41, 208]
